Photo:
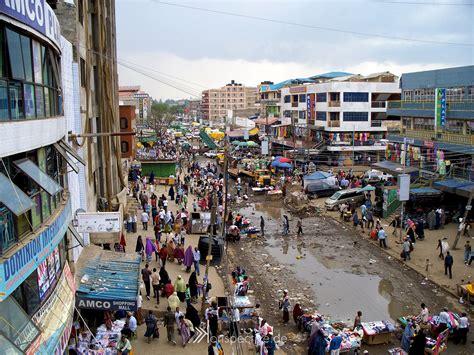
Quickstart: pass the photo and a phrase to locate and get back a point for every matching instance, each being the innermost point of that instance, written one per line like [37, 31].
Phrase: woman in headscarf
[193, 315]
[151, 326]
[193, 286]
[419, 344]
[184, 330]
[317, 344]
[164, 277]
[149, 249]
[407, 336]
[173, 300]
[171, 193]
[139, 248]
[179, 254]
[170, 248]
[188, 258]
[297, 312]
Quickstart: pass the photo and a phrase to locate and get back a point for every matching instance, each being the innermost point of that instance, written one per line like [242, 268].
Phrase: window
[321, 97]
[320, 116]
[4, 100]
[302, 115]
[47, 103]
[39, 101]
[80, 6]
[355, 116]
[16, 101]
[27, 59]
[8, 236]
[287, 99]
[302, 98]
[30, 102]
[15, 55]
[356, 97]
[83, 73]
[123, 123]
[37, 62]
[124, 146]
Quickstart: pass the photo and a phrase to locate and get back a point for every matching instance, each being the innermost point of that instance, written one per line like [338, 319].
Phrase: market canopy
[108, 281]
[318, 175]
[367, 188]
[420, 191]
[450, 185]
[394, 168]
[465, 191]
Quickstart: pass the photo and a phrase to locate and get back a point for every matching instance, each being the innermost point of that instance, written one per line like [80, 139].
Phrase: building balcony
[455, 109]
[294, 104]
[378, 104]
[334, 124]
[334, 103]
[445, 137]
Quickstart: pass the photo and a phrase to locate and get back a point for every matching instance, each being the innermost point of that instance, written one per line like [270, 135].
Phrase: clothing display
[104, 343]
[378, 327]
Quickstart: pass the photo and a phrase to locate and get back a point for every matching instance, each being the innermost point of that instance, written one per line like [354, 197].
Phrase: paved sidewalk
[423, 250]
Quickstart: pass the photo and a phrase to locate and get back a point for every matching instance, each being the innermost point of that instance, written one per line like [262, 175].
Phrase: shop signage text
[34, 13]
[440, 108]
[20, 265]
[99, 222]
[297, 89]
[105, 305]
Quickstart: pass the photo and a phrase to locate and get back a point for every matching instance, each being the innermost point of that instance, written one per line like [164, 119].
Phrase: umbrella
[284, 160]
[242, 144]
[285, 165]
[367, 188]
[237, 142]
[252, 144]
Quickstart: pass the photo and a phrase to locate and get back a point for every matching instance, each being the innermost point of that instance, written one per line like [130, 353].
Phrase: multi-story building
[36, 284]
[192, 108]
[90, 27]
[436, 112]
[240, 99]
[269, 98]
[132, 95]
[346, 113]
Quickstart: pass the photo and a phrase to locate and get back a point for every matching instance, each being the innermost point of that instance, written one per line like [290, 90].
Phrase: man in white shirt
[132, 323]
[165, 204]
[197, 258]
[463, 328]
[424, 314]
[145, 218]
[444, 319]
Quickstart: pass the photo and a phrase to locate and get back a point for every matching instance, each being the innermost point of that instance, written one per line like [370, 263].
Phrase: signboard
[99, 222]
[104, 304]
[428, 144]
[310, 107]
[264, 147]
[440, 108]
[403, 187]
[297, 89]
[15, 270]
[35, 14]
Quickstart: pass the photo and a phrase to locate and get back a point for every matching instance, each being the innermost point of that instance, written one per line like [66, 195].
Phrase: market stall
[246, 307]
[378, 332]
[103, 343]
[200, 222]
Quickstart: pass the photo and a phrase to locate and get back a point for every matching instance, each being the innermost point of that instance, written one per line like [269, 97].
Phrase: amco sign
[36, 14]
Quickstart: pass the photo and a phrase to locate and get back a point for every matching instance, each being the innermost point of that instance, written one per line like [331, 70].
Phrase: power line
[422, 3]
[331, 29]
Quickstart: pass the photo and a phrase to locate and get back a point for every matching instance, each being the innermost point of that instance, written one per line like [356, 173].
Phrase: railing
[294, 104]
[334, 104]
[376, 124]
[334, 124]
[440, 136]
[430, 105]
[378, 104]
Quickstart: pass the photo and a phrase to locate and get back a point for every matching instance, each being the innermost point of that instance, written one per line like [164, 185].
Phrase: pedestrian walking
[299, 225]
[406, 249]
[467, 252]
[382, 238]
[145, 217]
[395, 224]
[335, 343]
[146, 273]
[197, 259]
[463, 329]
[431, 220]
[155, 284]
[262, 225]
[180, 288]
[285, 307]
[448, 264]
[151, 327]
[286, 225]
[140, 248]
[169, 324]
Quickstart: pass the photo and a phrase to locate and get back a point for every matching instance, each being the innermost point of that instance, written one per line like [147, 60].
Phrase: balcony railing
[334, 124]
[334, 104]
[378, 104]
[294, 104]
[430, 105]
[446, 137]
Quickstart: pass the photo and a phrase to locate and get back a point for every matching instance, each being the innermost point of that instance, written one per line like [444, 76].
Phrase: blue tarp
[112, 282]
[465, 191]
[318, 175]
[425, 191]
[450, 185]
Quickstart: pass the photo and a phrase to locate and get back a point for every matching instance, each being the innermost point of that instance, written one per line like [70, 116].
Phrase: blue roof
[450, 185]
[465, 191]
[332, 74]
[318, 175]
[424, 190]
[278, 86]
[112, 277]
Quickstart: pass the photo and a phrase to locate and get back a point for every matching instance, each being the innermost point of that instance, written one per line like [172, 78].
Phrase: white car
[210, 154]
[374, 176]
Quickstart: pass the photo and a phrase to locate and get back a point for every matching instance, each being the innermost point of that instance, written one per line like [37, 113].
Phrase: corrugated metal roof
[330, 75]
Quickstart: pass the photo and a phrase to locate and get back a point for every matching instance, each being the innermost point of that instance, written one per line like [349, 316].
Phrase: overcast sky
[209, 49]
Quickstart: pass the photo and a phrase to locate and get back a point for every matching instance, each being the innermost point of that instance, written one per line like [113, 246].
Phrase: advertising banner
[35, 14]
[105, 304]
[15, 269]
[440, 108]
[99, 222]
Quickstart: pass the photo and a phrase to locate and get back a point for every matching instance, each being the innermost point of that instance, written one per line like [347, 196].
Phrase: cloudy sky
[191, 49]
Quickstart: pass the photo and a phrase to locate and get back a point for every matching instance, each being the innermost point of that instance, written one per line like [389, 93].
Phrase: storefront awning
[451, 185]
[425, 191]
[394, 168]
[66, 157]
[38, 176]
[13, 198]
[465, 191]
[107, 280]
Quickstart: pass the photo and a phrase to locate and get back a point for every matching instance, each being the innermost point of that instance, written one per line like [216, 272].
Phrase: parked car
[211, 154]
[344, 196]
[320, 190]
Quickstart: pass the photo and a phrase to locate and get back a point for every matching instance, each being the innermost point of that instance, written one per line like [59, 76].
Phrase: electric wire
[330, 29]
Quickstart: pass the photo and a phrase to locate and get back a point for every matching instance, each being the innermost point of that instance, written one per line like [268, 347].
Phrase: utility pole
[464, 218]
[209, 249]
[405, 146]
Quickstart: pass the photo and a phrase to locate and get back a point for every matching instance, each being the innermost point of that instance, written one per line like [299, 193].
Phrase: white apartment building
[347, 113]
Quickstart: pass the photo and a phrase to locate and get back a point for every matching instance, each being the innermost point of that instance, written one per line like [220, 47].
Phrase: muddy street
[329, 269]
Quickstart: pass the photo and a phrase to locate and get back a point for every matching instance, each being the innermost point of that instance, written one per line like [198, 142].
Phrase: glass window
[123, 123]
[321, 97]
[46, 66]
[356, 96]
[16, 101]
[27, 60]
[321, 116]
[39, 99]
[2, 54]
[36, 211]
[302, 98]
[53, 102]
[287, 99]
[45, 206]
[31, 291]
[37, 62]
[15, 55]
[47, 103]
[22, 224]
[355, 116]
[4, 115]
[7, 229]
[30, 102]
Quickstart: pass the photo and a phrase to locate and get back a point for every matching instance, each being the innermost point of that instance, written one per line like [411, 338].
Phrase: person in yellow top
[123, 346]
[180, 288]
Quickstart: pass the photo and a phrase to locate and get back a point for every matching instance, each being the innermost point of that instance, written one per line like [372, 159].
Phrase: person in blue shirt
[335, 344]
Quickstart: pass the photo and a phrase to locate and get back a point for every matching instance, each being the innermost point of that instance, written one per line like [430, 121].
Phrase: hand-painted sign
[15, 269]
[440, 108]
[36, 14]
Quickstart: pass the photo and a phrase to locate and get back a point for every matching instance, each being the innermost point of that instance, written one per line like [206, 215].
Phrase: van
[344, 196]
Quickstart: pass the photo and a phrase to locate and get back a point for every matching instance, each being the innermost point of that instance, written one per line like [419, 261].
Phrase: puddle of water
[340, 294]
[270, 209]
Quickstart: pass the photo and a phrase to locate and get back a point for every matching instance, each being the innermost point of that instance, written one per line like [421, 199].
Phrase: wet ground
[332, 270]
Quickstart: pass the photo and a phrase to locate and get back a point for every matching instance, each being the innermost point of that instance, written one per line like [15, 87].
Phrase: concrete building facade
[215, 103]
[133, 95]
[127, 125]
